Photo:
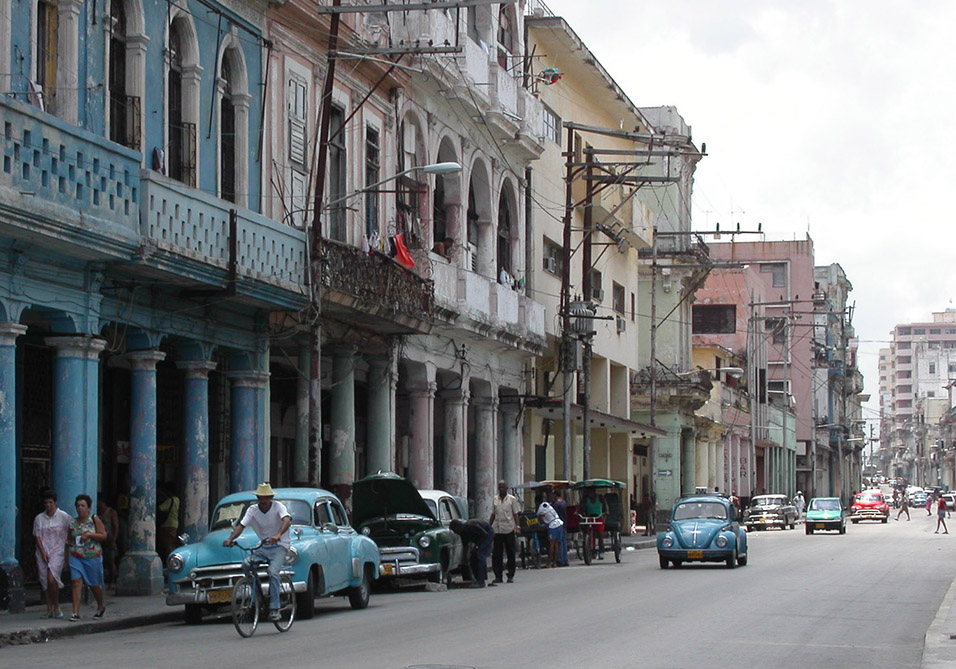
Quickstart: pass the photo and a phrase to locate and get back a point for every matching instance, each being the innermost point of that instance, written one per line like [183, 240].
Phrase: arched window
[46, 57]
[505, 232]
[227, 136]
[124, 109]
[182, 134]
[233, 97]
[506, 34]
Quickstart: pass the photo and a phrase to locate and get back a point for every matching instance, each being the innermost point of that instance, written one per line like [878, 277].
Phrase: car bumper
[824, 524]
[753, 522]
[869, 514]
[186, 592]
[707, 555]
[400, 569]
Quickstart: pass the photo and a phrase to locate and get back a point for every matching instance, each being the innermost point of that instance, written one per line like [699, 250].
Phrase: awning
[552, 409]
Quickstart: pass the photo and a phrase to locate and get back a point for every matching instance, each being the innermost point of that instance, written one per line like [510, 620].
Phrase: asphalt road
[864, 599]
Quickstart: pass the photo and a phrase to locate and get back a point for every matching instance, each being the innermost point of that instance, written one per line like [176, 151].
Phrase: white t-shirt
[267, 524]
[549, 516]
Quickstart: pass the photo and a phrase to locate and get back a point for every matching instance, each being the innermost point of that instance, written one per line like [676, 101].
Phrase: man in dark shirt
[478, 535]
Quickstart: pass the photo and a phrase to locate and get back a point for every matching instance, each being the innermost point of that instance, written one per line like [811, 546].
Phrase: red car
[869, 505]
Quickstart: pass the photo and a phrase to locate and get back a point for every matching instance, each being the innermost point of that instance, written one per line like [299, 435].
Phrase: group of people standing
[62, 539]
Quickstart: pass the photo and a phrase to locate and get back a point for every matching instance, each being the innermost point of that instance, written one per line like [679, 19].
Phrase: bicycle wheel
[588, 546]
[287, 604]
[245, 606]
[617, 546]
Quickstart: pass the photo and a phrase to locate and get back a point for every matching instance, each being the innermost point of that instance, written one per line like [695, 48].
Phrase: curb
[939, 652]
[44, 634]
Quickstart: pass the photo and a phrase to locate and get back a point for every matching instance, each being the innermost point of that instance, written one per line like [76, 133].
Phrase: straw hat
[265, 490]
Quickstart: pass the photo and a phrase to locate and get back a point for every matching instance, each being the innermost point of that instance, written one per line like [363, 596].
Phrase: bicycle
[249, 601]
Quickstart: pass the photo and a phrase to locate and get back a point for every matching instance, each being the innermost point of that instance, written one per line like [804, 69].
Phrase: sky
[829, 117]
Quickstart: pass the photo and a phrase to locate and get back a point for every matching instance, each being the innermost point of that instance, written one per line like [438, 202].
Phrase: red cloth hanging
[401, 252]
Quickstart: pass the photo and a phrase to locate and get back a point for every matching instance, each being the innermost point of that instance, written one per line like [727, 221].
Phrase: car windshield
[687, 510]
[872, 497]
[227, 514]
[432, 506]
[825, 505]
[767, 500]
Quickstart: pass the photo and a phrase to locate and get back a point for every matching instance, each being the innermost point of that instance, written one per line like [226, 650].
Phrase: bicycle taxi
[533, 534]
[597, 518]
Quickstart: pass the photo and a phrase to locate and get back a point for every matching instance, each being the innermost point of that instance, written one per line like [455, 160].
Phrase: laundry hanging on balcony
[549, 75]
[402, 256]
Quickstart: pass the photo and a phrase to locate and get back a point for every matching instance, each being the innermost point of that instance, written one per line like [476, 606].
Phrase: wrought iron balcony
[372, 290]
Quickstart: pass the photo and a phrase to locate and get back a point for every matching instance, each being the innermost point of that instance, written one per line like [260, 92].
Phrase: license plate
[218, 596]
[819, 526]
[695, 554]
[389, 569]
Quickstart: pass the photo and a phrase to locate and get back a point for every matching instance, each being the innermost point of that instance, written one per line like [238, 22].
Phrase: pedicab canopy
[597, 483]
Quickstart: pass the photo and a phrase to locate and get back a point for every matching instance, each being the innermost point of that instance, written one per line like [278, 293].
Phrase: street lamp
[440, 169]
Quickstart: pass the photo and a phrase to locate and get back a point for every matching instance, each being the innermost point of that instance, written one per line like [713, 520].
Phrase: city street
[864, 599]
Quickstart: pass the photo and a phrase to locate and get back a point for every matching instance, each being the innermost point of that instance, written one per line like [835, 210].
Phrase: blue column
[300, 461]
[196, 447]
[8, 466]
[342, 420]
[75, 416]
[381, 415]
[141, 571]
[248, 433]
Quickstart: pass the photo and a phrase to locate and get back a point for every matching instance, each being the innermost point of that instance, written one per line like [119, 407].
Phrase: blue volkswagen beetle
[327, 556]
[703, 528]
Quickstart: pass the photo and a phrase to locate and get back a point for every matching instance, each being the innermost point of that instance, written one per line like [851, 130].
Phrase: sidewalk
[121, 613]
[939, 644]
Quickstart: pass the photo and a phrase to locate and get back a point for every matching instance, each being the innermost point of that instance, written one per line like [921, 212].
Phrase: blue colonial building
[138, 282]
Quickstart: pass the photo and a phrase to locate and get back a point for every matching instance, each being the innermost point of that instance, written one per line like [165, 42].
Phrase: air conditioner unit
[621, 324]
[597, 294]
[551, 264]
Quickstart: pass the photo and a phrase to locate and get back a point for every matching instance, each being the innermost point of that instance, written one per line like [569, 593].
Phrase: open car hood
[386, 494]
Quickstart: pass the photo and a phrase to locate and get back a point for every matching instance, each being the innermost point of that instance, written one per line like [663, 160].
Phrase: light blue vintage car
[327, 556]
[703, 528]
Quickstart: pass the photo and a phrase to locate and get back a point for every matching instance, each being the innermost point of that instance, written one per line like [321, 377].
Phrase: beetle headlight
[425, 541]
[667, 542]
[291, 555]
[721, 541]
[175, 562]
[366, 531]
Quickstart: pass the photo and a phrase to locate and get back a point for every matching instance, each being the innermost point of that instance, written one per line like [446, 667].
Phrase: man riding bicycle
[270, 520]
[593, 506]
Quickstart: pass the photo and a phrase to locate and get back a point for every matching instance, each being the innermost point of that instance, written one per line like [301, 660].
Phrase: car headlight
[366, 531]
[425, 541]
[291, 555]
[667, 542]
[175, 562]
[721, 541]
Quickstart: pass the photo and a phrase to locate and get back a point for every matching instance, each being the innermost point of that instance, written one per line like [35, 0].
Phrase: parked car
[413, 538]
[869, 505]
[771, 511]
[703, 528]
[825, 513]
[327, 556]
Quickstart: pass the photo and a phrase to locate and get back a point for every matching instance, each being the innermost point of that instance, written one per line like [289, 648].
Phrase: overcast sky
[835, 117]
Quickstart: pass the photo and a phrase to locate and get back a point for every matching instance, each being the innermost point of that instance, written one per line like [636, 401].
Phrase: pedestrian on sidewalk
[51, 527]
[86, 556]
[941, 516]
[904, 508]
[476, 537]
[504, 521]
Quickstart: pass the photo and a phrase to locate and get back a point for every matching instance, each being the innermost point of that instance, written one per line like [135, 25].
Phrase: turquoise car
[703, 528]
[825, 513]
[327, 556]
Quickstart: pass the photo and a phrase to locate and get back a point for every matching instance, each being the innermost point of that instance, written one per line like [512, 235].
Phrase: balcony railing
[379, 284]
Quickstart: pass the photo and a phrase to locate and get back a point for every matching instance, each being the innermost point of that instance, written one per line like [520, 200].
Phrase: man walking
[904, 508]
[504, 521]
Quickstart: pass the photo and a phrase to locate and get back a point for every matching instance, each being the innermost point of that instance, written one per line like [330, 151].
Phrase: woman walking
[941, 515]
[86, 556]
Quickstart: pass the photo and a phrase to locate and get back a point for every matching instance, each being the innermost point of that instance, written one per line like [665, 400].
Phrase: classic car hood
[823, 514]
[210, 552]
[764, 508]
[697, 532]
[383, 495]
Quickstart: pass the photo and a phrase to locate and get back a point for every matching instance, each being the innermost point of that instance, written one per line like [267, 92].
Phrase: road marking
[759, 642]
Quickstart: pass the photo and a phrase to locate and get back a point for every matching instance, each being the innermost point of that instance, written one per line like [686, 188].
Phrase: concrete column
[196, 446]
[342, 460]
[510, 457]
[67, 67]
[486, 447]
[701, 460]
[456, 442]
[140, 571]
[300, 458]
[248, 433]
[75, 416]
[16, 596]
[421, 451]
[716, 464]
[667, 466]
[381, 415]
[735, 464]
[687, 456]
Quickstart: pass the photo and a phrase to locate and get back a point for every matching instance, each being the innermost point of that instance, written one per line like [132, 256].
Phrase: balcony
[65, 189]
[374, 291]
[189, 240]
[476, 303]
[673, 390]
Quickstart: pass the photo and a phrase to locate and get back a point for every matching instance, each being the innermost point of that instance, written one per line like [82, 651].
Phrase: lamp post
[315, 389]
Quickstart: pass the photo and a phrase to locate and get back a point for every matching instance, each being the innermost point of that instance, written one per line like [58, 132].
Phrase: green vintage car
[825, 513]
[411, 531]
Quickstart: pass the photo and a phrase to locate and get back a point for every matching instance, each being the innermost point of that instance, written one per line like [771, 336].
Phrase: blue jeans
[479, 559]
[561, 534]
[274, 555]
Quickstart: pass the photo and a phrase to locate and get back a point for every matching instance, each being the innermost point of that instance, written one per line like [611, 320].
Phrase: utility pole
[587, 288]
[565, 354]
